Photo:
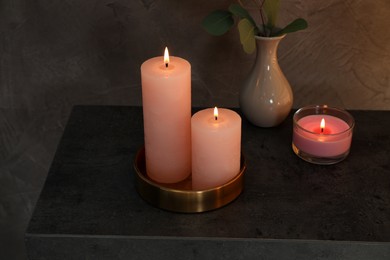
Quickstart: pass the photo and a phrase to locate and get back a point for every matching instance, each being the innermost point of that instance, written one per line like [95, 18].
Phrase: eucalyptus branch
[262, 17]
[219, 22]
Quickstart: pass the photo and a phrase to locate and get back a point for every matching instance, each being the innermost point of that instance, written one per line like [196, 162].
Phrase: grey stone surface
[56, 54]
[84, 247]
[89, 200]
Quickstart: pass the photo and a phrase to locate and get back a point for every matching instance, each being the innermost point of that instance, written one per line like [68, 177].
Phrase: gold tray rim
[185, 200]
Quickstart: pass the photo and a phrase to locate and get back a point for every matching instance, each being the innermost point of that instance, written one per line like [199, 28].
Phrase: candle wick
[322, 129]
[215, 117]
[166, 65]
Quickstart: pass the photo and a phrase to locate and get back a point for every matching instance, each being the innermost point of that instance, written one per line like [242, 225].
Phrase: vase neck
[267, 46]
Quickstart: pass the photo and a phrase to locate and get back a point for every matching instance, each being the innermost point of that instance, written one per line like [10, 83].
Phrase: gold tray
[180, 197]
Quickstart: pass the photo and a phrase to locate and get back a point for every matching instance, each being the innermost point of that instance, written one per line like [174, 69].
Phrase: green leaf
[271, 9]
[247, 36]
[218, 22]
[296, 25]
[239, 11]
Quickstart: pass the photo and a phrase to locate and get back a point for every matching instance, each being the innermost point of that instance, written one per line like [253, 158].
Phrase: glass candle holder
[322, 134]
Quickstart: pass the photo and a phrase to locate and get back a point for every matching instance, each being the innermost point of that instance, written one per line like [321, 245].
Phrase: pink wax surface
[166, 100]
[335, 140]
[216, 148]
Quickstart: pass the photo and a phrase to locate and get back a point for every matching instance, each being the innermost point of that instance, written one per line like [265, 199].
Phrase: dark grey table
[289, 209]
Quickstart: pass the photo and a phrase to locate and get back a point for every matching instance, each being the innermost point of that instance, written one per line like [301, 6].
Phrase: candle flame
[322, 125]
[215, 113]
[166, 57]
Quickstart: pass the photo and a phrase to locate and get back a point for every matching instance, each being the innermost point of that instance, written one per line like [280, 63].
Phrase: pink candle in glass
[216, 147]
[323, 144]
[166, 100]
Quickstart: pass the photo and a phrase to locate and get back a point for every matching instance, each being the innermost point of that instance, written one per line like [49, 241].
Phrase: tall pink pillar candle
[216, 148]
[166, 98]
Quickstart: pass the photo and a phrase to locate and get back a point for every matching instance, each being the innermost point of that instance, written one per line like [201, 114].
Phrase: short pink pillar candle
[166, 100]
[322, 134]
[216, 147]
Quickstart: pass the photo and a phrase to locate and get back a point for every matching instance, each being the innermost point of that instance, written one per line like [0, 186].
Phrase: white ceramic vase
[266, 97]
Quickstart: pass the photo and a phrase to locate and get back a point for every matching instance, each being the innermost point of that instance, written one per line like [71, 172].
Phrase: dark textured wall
[54, 54]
